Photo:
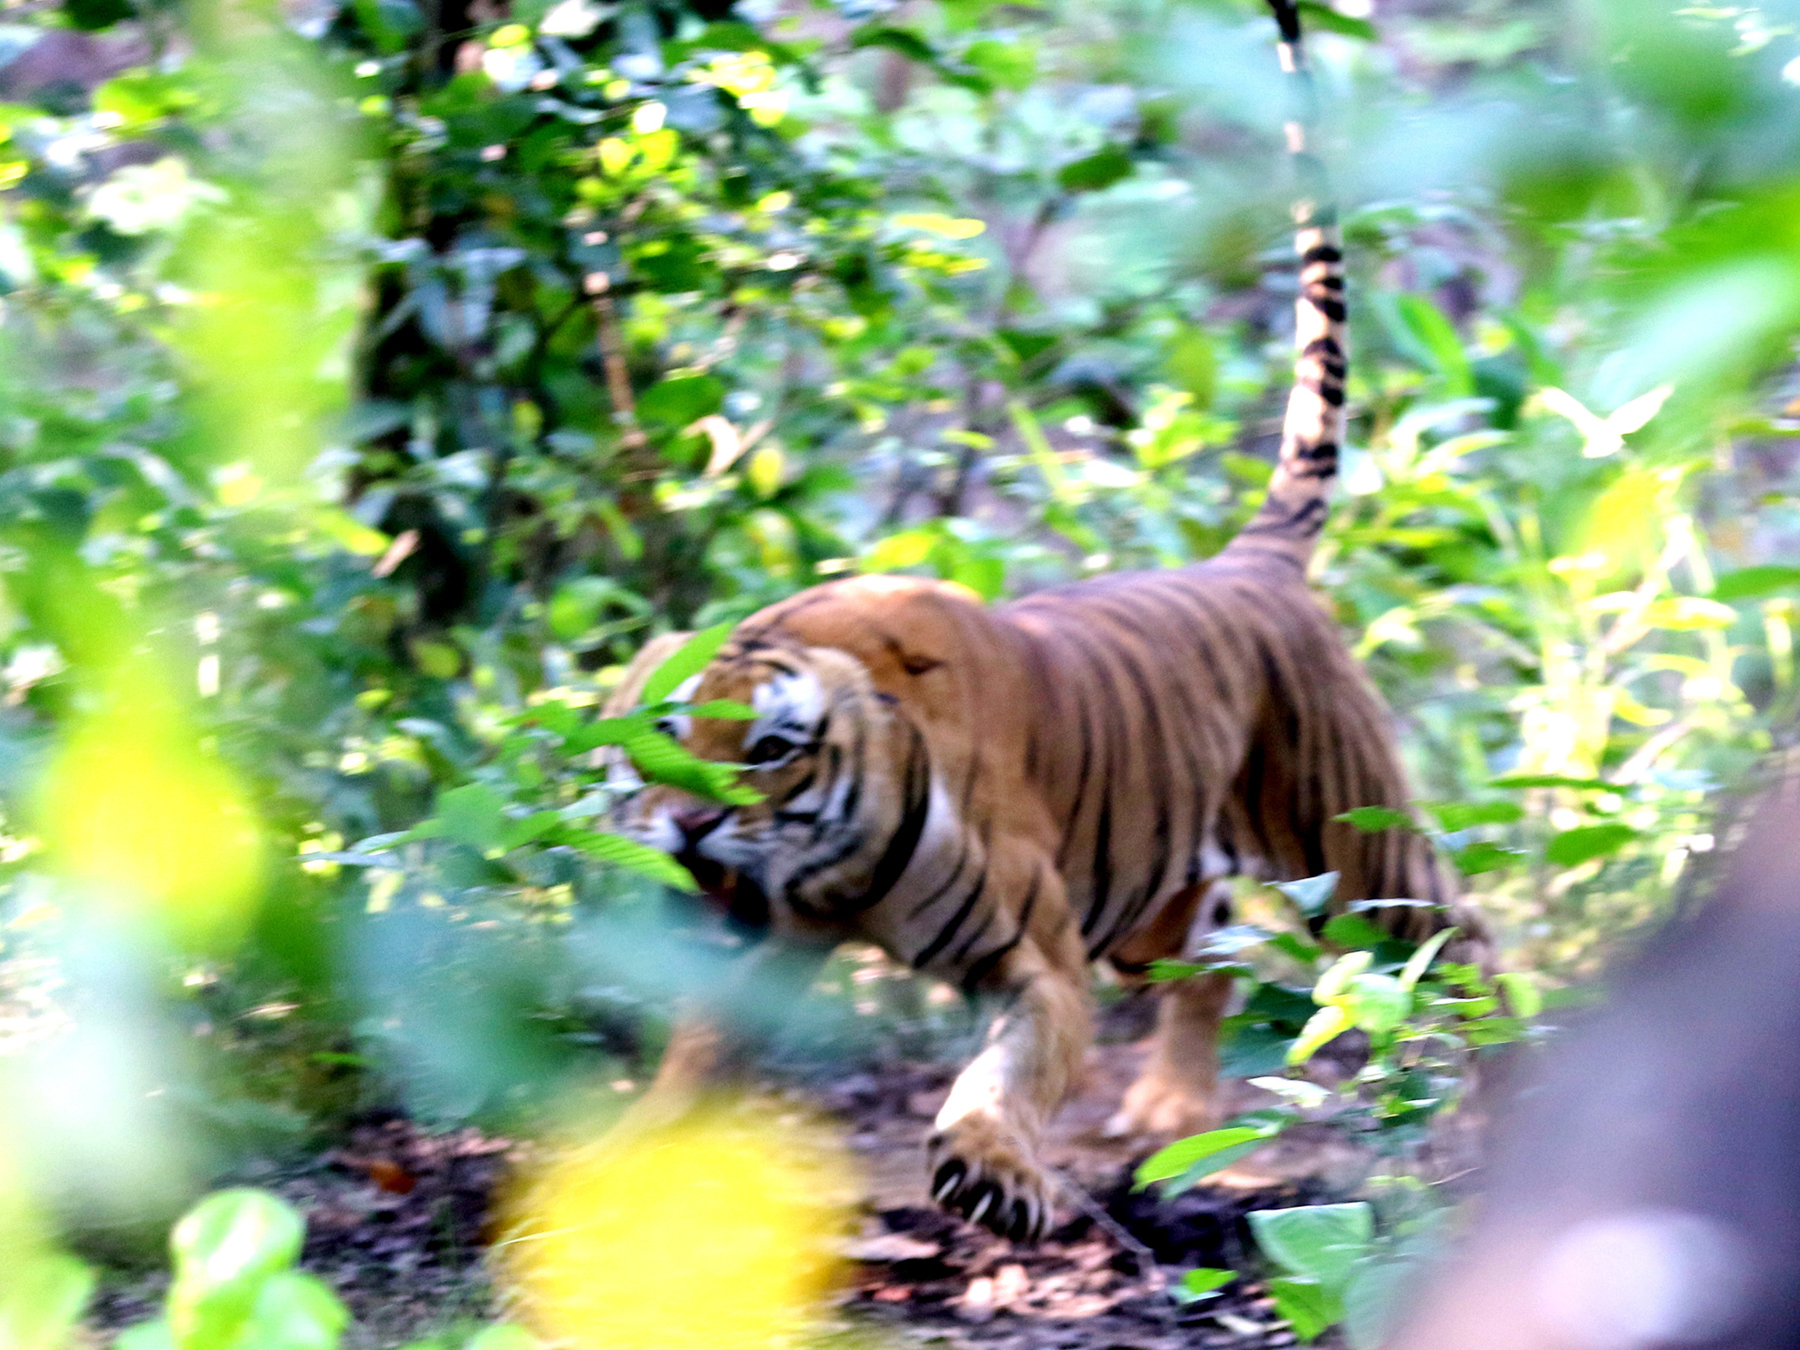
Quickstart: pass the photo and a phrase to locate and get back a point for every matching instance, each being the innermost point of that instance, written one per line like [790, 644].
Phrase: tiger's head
[843, 774]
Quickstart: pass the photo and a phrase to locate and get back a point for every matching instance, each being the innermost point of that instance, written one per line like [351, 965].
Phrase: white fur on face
[787, 705]
[790, 707]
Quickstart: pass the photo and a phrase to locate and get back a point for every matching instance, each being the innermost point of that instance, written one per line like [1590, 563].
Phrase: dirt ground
[397, 1221]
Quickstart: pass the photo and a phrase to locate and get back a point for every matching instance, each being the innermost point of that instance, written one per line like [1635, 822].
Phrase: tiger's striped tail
[1294, 513]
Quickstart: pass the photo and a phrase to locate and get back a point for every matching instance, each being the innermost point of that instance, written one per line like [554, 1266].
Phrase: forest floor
[398, 1220]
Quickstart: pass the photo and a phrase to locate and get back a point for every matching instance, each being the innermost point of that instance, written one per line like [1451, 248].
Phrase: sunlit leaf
[1752, 583]
[1202, 1283]
[1325, 1025]
[1523, 998]
[1308, 1308]
[1317, 15]
[688, 660]
[1553, 780]
[1420, 961]
[641, 858]
[1464, 815]
[41, 1300]
[749, 1204]
[1374, 819]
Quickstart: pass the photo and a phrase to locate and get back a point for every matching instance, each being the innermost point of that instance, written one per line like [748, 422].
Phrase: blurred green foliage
[378, 376]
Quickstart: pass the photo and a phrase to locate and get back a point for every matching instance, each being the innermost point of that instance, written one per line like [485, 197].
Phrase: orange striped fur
[998, 796]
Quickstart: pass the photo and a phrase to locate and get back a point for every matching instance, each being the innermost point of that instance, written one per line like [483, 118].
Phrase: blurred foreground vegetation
[376, 377]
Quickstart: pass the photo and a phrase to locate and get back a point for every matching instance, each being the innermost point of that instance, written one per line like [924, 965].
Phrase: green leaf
[522, 831]
[681, 400]
[1316, 15]
[578, 604]
[1523, 998]
[1163, 970]
[1094, 172]
[1376, 1299]
[1308, 1308]
[1316, 1242]
[1254, 1051]
[640, 858]
[688, 660]
[1192, 364]
[502, 1336]
[1483, 856]
[1436, 342]
[1465, 815]
[93, 15]
[1374, 819]
[1420, 961]
[1553, 780]
[1183, 1155]
[296, 1311]
[606, 731]
[662, 759]
[225, 1249]
[1009, 65]
[473, 814]
[1333, 983]
[1303, 952]
[725, 709]
[1752, 583]
[1310, 894]
[1202, 1283]
[1574, 847]
[1352, 930]
[41, 1299]
[902, 40]
[1376, 1003]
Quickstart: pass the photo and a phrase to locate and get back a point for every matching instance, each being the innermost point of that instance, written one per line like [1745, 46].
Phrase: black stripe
[948, 931]
[904, 842]
[984, 965]
[961, 953]
[948, 882]
[1102, 870]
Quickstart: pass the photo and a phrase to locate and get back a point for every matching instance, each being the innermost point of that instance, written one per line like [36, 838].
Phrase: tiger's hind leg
[1177, 1091]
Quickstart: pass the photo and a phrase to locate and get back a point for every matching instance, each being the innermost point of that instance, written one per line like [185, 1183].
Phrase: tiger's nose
[695, 825]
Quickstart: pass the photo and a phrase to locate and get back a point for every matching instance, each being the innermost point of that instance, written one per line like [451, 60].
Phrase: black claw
[970, 1202]
[947, 1179]
[1019, 1230]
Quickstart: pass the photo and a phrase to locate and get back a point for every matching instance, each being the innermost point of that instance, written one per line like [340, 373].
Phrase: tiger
[1000, 796]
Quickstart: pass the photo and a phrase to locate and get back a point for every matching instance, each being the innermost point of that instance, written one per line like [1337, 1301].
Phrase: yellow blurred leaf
[765, 470]
[946, 227]
[143, 822]
[712, 1235]
[1687, 613]
[909, 548]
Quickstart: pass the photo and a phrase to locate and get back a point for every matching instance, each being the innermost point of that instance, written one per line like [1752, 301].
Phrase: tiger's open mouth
[730, 891]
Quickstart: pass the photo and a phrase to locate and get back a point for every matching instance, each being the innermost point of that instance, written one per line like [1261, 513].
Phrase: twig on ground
[1146, 1259]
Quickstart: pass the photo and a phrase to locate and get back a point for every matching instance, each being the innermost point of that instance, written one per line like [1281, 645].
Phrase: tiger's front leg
[984, 1154]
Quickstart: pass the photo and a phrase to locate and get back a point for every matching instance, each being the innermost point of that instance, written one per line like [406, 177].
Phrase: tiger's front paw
[983, 1170]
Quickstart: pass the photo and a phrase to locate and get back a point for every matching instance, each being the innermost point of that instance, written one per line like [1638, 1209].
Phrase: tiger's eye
[769, 749]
